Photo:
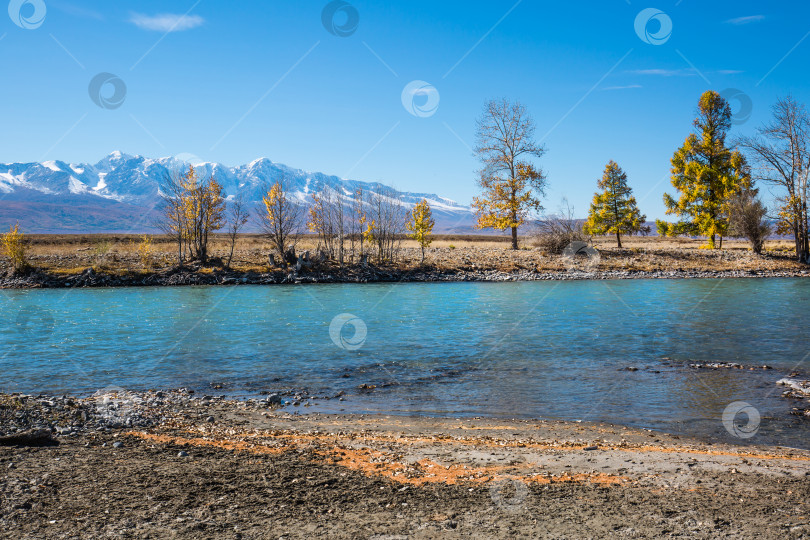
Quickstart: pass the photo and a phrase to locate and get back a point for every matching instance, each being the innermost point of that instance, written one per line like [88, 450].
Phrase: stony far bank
[110, 261]
[168, 464]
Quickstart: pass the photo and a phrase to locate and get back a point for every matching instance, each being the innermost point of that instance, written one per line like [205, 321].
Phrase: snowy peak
[133, 180]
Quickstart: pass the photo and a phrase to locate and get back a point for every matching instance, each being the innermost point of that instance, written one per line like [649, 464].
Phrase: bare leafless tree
[172, 218]
[781, 152]
[388, 215]
[554, 232]
[359, 221]
[238, 216]
[747, 218]
[327, 217]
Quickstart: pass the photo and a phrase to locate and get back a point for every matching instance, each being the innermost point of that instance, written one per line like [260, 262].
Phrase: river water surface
[532, 350]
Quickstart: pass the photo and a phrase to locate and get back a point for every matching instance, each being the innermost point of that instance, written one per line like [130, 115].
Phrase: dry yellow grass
[117, 253]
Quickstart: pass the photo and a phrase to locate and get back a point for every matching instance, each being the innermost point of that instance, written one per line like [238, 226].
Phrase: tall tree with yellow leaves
[614, 210]
[420, 224]
[707, 173]
[512, 185]
[193, 207]
[280, 217]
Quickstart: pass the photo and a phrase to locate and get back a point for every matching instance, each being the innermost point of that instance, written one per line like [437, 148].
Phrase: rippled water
[534, 350]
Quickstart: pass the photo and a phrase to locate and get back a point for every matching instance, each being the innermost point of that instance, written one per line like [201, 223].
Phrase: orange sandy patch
[372, 462]
[296, 439]
[502, 443]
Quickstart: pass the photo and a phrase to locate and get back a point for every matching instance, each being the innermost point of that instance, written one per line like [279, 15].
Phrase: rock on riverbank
[91, 278]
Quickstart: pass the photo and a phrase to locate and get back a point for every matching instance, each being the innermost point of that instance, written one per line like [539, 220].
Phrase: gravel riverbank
[169, 464]
[91, 278]
[78, 262]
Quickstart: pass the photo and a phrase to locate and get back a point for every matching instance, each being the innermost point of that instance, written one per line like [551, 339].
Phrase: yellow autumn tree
[614, 209]
[193, 207]
[420, 224]
[280, 217]
[14, 248]
[145, 251]
[204, 207]
[367, 232]
[511, 185]
[707, 173]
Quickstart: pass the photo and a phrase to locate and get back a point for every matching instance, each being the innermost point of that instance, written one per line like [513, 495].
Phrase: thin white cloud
[166, 22]
[745, 20]
[730, 72]
[629, 86]
[77, 11]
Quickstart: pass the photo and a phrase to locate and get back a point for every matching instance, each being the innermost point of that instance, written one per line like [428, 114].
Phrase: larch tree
[614, 210]
[511, 184]
[781, 153]
[707, 173]
[420, 225]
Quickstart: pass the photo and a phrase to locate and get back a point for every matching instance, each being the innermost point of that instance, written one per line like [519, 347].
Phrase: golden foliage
[145, 251]
[507, 202]
[194, 208]
[14, 247]
[368, 230]
[510, 183]
[421, 225]
[614, 210]
[706, 173]
[281, 218]
[271, 201]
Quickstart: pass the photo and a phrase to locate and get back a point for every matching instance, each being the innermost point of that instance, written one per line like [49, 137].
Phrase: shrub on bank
[13, 243]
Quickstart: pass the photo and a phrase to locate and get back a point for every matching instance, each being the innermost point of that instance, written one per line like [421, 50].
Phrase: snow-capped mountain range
[120, 192]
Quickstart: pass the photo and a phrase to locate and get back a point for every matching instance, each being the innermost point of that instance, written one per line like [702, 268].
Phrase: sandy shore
[169, 465]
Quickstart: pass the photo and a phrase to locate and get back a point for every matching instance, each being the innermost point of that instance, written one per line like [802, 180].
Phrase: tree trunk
[618, 239]
[514, 238]
[230, 256]
[805, 235]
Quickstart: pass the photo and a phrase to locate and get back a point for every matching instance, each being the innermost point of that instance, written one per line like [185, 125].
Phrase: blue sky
[234, 81]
